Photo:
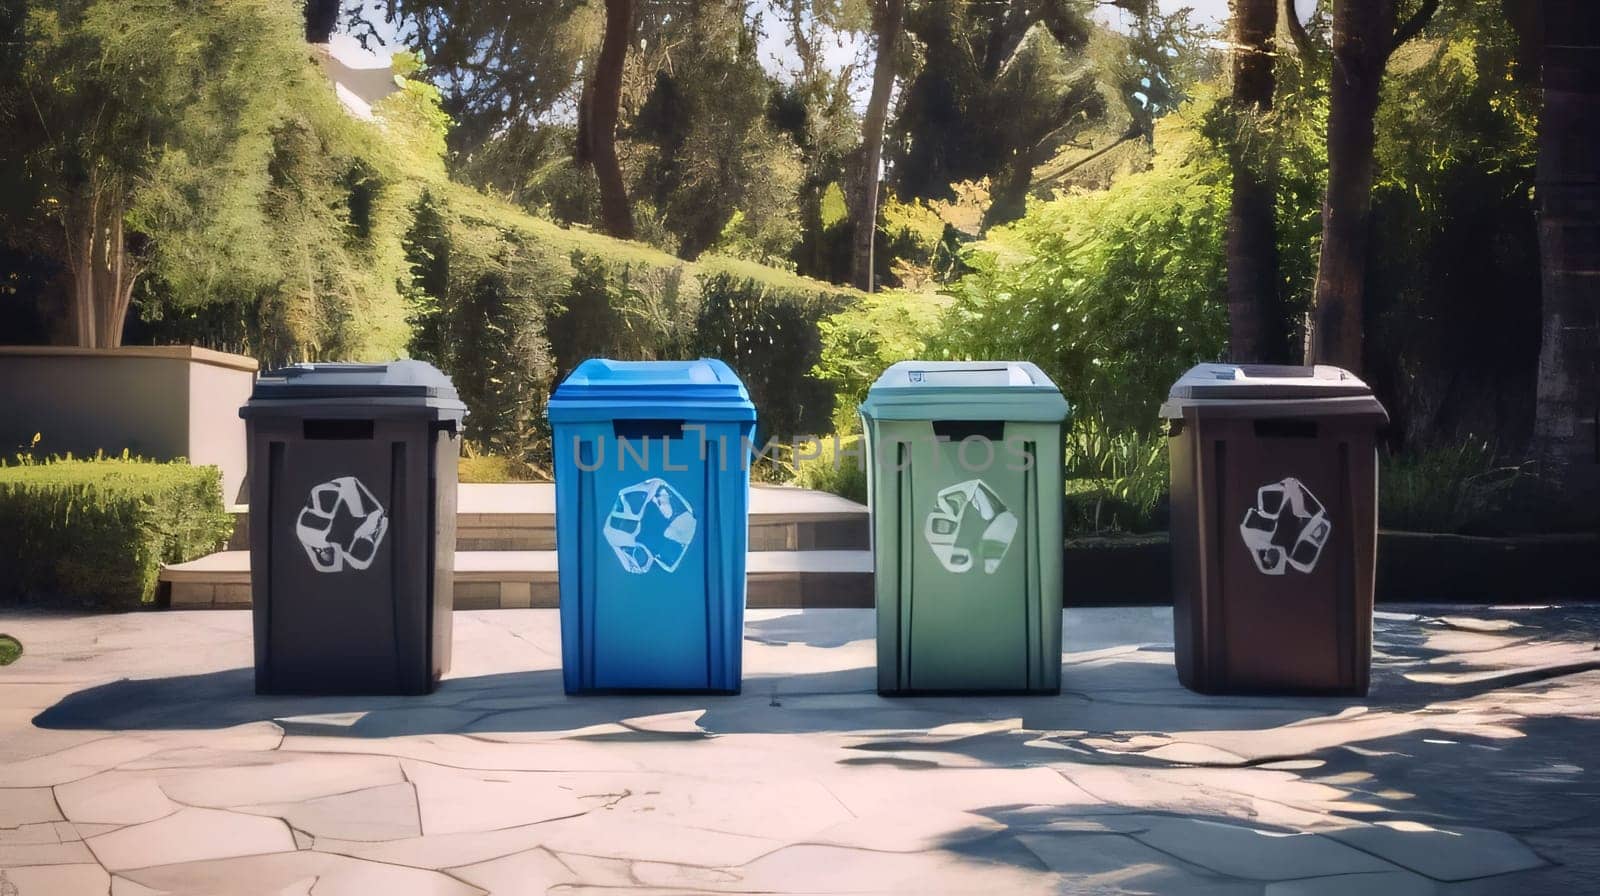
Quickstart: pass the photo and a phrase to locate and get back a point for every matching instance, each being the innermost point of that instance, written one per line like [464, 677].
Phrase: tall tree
[105, 138]
[597, 120]
[886, 28]
[1364, 36]
[1567, 409]
[1255, 319]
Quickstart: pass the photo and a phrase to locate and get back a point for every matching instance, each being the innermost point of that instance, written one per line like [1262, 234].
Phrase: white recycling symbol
[969, 522]
[341, 525]
[650, 525]
[1286, 529]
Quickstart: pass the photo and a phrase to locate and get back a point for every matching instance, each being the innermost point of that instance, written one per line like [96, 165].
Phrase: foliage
[702, 150]
[842, 472]
[96, 532]
[1113, 293]
[114, 151]
[861, 341]
[507, 304]
[494, 468]
[1460, 487]
[1453, 332]
[770, 338]
[480, 300]
[10, 650]
[1118, 480]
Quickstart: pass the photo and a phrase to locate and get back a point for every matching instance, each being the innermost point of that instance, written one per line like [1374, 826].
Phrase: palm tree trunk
[889, 14]
[1256, 320]
[1361, 36]
[1567, 409]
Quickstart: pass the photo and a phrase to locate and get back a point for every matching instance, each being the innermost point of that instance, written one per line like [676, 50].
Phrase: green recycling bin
[964, 483]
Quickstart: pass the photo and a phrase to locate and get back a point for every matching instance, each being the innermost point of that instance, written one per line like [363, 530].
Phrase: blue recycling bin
[652, 512]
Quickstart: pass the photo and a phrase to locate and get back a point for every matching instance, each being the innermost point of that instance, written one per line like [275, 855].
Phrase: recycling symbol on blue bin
[650, 525]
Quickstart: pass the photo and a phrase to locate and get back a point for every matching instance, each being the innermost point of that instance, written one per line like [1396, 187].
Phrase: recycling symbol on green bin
[650, 525]
[341, 525]
[969, 523]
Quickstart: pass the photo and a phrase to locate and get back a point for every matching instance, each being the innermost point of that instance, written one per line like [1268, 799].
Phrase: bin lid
[965, 390]
[1219, 384]
[319, 385]
[603, 389]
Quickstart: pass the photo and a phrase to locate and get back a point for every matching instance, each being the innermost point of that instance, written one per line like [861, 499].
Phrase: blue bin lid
[603, 389]
[965, 390]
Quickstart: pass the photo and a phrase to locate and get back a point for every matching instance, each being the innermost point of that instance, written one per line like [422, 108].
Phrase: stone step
[521, 516]
[487, 580]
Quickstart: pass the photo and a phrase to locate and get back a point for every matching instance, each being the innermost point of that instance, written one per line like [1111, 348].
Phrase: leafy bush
[1458, 487]
[1114, 293]
[96, 532]
[10, 650]
[1118, 479]
[837, 472]
[859, 342]
[494, 468]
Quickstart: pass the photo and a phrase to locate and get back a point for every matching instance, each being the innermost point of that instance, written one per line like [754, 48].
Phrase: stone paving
[135, 759]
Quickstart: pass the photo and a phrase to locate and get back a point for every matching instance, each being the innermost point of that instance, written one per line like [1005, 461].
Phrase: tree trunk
[1364, 36]
[1256, 319]
[602, 102]
[887, 26]
[1567, 409]
[322, 17]
[103, 274]
[1362, 32]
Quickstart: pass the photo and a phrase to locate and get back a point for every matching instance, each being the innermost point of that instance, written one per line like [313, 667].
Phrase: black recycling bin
[352, 483]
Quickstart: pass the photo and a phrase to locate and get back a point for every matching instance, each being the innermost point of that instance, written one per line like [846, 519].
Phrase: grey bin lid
[1230, 384]
[397, 383]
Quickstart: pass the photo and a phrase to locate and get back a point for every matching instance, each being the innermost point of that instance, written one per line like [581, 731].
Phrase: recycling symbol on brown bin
[1286, 529]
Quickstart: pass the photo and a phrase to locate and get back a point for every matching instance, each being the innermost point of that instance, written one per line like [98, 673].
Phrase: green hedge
[95, 532]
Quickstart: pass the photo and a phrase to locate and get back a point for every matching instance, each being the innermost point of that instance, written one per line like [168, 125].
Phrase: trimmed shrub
[95, 533]
[770, 337]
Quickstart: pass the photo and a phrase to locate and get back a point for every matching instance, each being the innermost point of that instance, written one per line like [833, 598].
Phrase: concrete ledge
[180, 352]
[491, 580]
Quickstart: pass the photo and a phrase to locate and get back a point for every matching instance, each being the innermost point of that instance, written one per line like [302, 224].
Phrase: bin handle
[1285, 428]
[647, 429]
[332, 430]
[961, 430]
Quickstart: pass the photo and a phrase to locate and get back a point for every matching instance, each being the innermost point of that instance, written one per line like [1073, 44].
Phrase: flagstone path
[136, 759]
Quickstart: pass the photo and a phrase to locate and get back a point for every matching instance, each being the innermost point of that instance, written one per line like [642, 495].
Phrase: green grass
[10, 650]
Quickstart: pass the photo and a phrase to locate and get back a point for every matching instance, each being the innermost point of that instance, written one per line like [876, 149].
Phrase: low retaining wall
[159, 402]
[1412, 567]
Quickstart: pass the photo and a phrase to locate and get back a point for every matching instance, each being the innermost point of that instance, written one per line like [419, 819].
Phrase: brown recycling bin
[1274, 528]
